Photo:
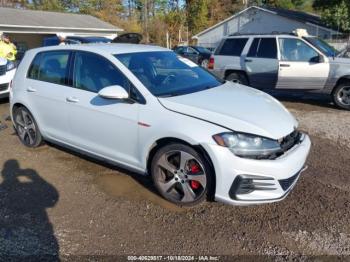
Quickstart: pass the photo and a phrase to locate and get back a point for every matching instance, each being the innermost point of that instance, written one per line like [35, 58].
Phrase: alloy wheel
[181, 177]
[343, 96]
[26, 128]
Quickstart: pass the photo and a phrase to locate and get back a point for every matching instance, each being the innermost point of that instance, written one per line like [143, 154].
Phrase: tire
[181, 175]
[237, 77]
[204, 63]
[341, 95]
[26, 128]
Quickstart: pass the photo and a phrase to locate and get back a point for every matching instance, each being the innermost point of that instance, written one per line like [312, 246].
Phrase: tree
[197, 15]
[48, 5]
[338, 16]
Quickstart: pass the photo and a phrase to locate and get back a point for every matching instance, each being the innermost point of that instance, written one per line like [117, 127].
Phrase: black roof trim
[299, 15]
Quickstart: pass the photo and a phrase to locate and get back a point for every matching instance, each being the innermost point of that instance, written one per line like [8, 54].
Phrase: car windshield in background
[323, 46]
[202, 50]
[166, 74]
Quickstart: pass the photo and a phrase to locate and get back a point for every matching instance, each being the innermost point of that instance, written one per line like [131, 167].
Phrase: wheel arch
[168, 140]
[230, 71]
[20, 104]
[343, 79]
[15, 106]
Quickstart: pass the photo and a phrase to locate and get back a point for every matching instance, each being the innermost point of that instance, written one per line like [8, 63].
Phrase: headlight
[246, 145]
[10, 65]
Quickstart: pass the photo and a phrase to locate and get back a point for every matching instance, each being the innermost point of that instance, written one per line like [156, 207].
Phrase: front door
[300, 66]
[106, 127]
[261, 63]
[191, 54]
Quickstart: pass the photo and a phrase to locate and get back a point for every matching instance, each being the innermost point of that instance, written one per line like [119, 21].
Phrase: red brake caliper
[194, 170]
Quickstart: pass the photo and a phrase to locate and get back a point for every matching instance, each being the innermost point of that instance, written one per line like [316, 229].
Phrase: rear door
[228, 55]
[301, 66]
[261, 63]
[46, 89]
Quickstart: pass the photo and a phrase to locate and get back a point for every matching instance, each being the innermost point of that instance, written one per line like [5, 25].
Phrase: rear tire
[237, 77]
[181, 175]
[341, 95]
[27, 128]
[205, 63]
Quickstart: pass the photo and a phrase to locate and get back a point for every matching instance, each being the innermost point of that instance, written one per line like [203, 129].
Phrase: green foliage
[287, 4]
[338, 16]
[197, 15]
[48, 5]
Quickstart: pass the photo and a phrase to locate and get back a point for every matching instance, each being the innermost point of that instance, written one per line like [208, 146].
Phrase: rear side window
[232, 47]
[34, 67]
[263, 48]
[50, 67]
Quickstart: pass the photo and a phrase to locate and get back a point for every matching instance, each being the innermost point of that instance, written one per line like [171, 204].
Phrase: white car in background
[7, 72]
[148, 110]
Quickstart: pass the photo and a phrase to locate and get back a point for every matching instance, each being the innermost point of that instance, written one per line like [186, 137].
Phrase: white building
[264, 20]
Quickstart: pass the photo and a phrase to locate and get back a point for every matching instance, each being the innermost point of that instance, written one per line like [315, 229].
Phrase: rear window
[50, 67]
[232, 47]
[263, 48]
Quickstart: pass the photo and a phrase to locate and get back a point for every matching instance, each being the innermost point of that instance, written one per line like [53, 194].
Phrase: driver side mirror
[114, 92]
[317, 59]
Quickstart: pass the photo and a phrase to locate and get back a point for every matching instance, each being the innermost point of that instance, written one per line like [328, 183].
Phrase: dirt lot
[55, 202]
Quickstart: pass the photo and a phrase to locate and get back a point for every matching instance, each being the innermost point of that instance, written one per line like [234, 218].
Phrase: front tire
[341, 95]
[237, 77]
[181, 175]
[27, 128]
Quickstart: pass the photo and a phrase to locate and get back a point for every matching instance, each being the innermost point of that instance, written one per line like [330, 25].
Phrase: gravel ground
[53, 201]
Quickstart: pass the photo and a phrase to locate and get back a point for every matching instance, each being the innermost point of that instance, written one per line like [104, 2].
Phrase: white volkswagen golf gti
[152, 112]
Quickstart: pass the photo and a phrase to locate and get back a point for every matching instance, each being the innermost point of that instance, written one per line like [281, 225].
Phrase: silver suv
[284, 62]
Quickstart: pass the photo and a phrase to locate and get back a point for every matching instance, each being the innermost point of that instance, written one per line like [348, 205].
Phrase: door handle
[31, 89]
[284, 65]
[248, 60]
[72, 99]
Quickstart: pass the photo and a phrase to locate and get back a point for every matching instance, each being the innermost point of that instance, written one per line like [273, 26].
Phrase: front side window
[296, 50]
[232, 47]
[263, 48]
[93, 72]
[50, 67]
[166, 74]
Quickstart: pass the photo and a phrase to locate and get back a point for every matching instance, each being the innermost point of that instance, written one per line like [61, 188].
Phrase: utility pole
[146, 20]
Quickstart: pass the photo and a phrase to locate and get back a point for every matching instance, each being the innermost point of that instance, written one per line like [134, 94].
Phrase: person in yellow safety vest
[7, 49]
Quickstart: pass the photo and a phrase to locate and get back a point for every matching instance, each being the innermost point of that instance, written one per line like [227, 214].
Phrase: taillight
[211, 63]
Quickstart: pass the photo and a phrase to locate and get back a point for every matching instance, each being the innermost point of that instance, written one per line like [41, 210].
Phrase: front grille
[2, 70]
[4, 87]
[286, 183]
[291, 140]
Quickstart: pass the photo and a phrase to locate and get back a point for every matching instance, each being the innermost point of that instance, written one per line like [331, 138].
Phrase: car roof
[106, 48]
[262, 35]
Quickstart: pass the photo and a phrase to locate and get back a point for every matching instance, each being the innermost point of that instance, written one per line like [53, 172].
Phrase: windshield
[166, 74]
[322, 45]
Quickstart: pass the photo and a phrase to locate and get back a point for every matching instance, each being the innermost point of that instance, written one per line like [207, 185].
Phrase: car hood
[236, 107]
